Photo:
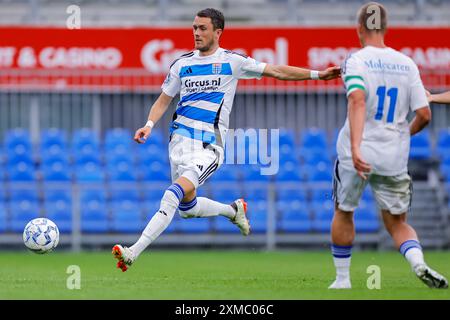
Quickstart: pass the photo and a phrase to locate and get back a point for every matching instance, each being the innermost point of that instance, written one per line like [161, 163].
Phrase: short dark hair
[365, 16]
[217, 18]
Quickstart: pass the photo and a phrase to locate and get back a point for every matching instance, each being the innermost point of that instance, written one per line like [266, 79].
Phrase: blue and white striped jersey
[207, 85]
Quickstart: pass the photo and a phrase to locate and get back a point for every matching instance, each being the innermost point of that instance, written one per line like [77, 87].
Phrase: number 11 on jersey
[381, 93]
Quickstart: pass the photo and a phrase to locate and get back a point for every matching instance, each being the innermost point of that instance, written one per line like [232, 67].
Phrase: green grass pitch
[212, 275]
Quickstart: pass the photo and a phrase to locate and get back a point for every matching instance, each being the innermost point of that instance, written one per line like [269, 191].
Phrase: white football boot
[240, 219]
[124, 255]
[430, 277]
[341, 284]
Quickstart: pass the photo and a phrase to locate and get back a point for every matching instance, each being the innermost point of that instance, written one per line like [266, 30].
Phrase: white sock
[412, 250]
[342, 266]
[414, 257]
[203, 207]
[161, 220]
[342, 256]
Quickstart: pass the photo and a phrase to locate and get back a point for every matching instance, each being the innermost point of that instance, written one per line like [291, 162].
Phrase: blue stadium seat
[320, 194]
[88, 153]
[54, 153]
[224, 225]
[367, 195]
[313, 157]
[289, 194]
[154, 172]
[153, 193]
[94, 217]
[90, 172]
[128, 193]
[323, 214]
[420, 145]
[194, 225]
[123, 171]
[57, 171]
[157, 138]
[366, 219]
[4, 225]
[287, 137]
[322, 173]
[314, 138]
[21, 213]
[24, 193]
[152, 153]
[57, 192]
[255, 192]
[257, 214]
[254, 173]
[118, 154]
[226, 195]
[127, 217]
[96, 193]
[60, 212]
[84, 136]
[443, 145]
[445, 171]
[16, 137]
[20, 153]
[295, 216]
[118, 136]
[290, 172]
[22, 172]
[226, 172]
[53, 137]
[288, 154]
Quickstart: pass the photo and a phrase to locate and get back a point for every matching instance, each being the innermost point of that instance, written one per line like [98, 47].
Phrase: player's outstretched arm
[282, 72]
[421, 120]
[156, 112]
[439, 98]
[357, 118]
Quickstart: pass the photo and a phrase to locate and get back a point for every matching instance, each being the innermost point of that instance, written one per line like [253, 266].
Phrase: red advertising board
[139, 58]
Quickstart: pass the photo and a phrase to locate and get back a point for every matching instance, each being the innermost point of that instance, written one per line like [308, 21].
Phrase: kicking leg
[159, 222]
[406, 240]
[193, 207]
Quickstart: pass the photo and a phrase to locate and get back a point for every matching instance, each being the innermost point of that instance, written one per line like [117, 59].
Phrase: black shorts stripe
[212, 170]
[336, 179]
[206, 170]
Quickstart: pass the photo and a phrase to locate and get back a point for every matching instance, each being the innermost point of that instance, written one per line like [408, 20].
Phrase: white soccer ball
[41, 235]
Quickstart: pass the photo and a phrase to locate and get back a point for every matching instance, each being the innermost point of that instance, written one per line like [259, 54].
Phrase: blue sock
[341, 251]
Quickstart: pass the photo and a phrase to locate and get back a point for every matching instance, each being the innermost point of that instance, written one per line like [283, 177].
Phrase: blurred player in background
[206, 79]
[382, 86]
[439, 97]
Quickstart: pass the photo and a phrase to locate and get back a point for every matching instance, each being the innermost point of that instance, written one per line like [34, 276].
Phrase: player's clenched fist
[142, 134]
[330, 73]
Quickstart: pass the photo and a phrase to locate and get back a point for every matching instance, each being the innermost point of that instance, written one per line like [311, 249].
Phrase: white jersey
[207, 85]
[393, 88]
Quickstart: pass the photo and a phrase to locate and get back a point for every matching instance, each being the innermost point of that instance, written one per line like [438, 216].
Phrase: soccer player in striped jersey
[382, 85]
[206, 79]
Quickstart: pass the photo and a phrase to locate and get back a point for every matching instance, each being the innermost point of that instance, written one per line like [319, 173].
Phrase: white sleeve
[172, 84]
[418, 98]
[251, 69]
[353, 75]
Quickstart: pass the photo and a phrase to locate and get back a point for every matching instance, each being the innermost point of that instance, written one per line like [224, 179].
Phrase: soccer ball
[41, 235]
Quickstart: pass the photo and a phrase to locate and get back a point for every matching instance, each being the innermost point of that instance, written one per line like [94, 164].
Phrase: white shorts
[393, 194]
[193, 160]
